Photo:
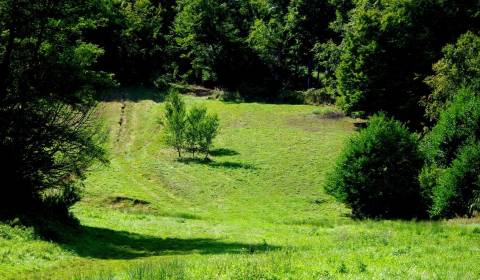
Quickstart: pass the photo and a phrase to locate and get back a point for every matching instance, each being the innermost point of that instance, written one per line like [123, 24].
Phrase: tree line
[368, 55]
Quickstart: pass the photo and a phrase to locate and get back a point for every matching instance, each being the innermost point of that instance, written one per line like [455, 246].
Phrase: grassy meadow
[256, 211]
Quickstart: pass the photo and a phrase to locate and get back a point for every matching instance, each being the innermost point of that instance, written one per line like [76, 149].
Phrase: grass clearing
[257, 211]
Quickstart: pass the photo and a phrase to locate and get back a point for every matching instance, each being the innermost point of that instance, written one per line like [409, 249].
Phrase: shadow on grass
[215, 164]
[103, 243]
[222, 152]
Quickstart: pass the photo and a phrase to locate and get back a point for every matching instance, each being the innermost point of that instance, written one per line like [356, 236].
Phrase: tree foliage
[368, 56]
[193, 131]
[47, 85]
[209, 127]
[457, 68]
[377, 173]
[134, 36]
[452, 151]
[175, 121]
[388, 48]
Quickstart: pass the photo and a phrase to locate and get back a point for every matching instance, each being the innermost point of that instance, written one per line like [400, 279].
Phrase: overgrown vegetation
[388, 48]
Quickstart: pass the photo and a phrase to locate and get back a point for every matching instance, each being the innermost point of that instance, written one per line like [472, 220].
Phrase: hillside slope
[257, 210]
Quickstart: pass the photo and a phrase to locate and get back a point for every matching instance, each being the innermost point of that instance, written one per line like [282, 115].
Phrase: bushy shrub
[458, 185]
[163, 82]
[377, 173]
[457, 125]
[452, 151]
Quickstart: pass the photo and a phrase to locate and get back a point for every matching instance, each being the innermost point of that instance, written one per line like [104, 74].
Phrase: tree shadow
[222, 152]
[215, 164]
[101, 243]
[232, 165]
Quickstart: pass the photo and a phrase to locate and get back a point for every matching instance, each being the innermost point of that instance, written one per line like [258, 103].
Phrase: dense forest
[414, 60]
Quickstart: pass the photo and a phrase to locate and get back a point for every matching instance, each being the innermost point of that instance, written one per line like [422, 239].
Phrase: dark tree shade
[388, 50]
[47, 139]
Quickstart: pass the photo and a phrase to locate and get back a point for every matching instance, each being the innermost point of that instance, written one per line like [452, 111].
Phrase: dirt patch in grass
[126, 203]
[315, 123]
[332, 115]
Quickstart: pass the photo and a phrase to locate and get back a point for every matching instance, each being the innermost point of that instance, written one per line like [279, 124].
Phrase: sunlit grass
[258, 211]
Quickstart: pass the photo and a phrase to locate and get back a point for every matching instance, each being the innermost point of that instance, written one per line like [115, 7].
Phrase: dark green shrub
[377, 173]
[458, 186]
[452, 152]
[163, 82]
[458, 124]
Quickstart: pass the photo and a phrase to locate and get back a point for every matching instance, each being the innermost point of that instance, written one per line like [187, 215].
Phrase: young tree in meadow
[208, 129]
[193, 131]
[175, 121]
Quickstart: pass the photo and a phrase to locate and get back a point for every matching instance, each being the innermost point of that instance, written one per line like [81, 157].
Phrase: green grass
[258, 211]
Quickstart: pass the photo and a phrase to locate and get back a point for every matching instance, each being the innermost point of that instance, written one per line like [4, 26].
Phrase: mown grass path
[257, 211]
